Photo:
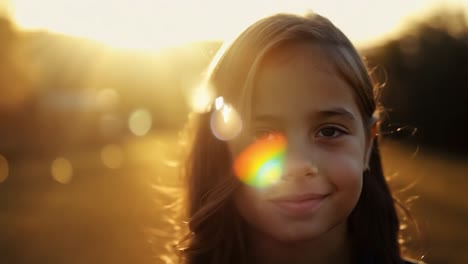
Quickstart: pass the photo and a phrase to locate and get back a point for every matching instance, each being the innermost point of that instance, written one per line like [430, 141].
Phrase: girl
[285, 167]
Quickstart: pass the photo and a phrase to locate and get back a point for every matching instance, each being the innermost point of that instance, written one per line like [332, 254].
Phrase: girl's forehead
[296, 55]
[303, 79]
[299, 63]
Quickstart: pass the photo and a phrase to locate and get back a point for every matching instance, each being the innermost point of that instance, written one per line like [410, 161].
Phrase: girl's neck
[334, 247]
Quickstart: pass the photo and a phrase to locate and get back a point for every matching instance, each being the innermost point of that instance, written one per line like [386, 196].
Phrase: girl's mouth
[299, 205]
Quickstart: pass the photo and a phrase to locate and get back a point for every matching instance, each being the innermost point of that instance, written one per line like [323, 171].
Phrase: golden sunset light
[150, 25]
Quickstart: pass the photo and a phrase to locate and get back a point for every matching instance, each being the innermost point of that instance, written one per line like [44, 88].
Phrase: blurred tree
[426, 86]
[16, 93]
[14, 82]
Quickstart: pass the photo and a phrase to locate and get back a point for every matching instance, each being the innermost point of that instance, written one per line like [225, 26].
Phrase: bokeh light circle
[225, 122]
[62, 170]
[140, 122]
[107, 99]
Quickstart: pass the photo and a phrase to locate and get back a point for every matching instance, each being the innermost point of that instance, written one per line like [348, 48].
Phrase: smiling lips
[299, 205]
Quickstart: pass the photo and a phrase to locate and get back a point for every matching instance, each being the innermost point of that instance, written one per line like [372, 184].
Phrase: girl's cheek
[343, 171]
[250, 205]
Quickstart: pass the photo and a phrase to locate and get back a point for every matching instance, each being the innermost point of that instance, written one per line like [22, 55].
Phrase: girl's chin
[304, 231]
[295, 236]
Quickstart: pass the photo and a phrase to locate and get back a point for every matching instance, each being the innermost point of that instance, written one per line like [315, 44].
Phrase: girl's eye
[330, 132]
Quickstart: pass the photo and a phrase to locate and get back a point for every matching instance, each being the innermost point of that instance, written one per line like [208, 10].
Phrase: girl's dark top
[376, 261]
[364, 258]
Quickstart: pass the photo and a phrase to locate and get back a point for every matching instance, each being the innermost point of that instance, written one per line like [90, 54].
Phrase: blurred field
[435, 187]
[102, 215]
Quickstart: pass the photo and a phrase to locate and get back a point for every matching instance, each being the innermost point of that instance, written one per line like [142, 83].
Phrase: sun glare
[150, 25]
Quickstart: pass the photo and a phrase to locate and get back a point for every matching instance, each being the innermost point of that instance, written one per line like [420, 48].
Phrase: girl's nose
[298, 165]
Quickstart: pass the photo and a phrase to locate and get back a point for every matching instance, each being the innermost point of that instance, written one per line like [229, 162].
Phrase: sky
[153, 24]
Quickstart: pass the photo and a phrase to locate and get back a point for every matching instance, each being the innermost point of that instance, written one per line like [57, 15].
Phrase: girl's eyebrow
[325, 113]
[336, 111]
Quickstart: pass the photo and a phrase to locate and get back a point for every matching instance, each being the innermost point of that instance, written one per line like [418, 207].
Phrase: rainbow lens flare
[261, 164]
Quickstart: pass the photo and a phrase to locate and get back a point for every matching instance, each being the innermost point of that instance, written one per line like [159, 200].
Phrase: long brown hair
[215, 229]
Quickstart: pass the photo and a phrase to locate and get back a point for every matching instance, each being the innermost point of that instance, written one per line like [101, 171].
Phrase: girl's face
[327, 148]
